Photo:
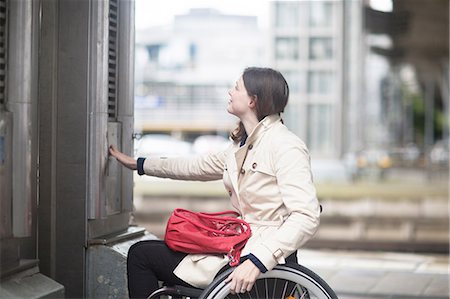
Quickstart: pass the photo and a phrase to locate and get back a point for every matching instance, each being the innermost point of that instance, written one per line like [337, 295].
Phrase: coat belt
[276, 223]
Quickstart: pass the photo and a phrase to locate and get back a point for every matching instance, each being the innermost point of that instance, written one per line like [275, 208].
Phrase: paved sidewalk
[358, 275]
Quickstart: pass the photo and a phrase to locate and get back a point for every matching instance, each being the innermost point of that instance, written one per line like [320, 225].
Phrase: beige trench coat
[270, 184]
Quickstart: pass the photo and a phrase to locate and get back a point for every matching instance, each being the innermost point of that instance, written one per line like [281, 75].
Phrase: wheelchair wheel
[289, 281]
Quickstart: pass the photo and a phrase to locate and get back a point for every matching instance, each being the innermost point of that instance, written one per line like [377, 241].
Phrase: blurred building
[411, 44]
[361, 79]
[310, 41]
[184, 71]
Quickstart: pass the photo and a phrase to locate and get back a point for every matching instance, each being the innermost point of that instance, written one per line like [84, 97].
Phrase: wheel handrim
[297, 284]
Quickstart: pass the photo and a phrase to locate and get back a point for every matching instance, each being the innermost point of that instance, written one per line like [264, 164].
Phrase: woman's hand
[127, 161]
[243, 277]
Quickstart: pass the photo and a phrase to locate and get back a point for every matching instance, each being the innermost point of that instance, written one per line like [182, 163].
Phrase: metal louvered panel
[3, 23]
[112, 61]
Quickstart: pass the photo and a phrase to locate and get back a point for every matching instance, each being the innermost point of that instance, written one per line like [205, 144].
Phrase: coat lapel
[239, 156]
[234, 167]
[233, 173]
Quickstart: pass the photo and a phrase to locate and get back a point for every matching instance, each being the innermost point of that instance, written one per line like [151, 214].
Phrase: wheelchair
[287, 281]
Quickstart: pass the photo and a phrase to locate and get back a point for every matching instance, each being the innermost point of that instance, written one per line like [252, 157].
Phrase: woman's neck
[250, 122]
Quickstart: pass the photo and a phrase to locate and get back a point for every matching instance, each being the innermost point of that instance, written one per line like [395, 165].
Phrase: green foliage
[418, 106]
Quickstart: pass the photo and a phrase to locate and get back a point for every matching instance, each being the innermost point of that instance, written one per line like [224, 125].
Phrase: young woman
[266, 172]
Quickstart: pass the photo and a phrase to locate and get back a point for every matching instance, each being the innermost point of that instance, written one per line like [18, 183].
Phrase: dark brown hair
[270, 90]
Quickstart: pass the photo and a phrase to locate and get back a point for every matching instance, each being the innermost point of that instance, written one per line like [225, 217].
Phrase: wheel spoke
[303, 294]
[274, 288]
[302, 291]
[292, 292]
[283, 296]
[256, 289]
[266, 288]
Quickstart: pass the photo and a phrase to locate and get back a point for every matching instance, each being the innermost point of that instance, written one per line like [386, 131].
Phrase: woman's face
[240, 103]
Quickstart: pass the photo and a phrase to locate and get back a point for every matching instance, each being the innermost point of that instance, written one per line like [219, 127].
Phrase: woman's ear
[252, 102]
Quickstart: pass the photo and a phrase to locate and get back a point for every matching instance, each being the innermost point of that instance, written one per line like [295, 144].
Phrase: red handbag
[209, 233]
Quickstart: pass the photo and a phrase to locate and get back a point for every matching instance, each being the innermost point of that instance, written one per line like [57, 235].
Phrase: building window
[320, 48]
[320, 82]
[319, 137]
[294, 117]
[296, 81]
[193, 52]
[153, 52]
[286, 48]
[321, 14]
[286, 14]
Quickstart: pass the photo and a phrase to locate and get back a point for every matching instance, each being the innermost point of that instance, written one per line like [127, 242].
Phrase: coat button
[250, 146]
[254, 165]
[242, 171]
[230, 193]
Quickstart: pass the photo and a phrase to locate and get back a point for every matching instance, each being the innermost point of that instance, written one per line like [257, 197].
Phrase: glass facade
[306, 40]
[287, 48]
[320, 122]
[320, 82]
[286, 14]
[321, 14]
[296, 80]
[320, 48]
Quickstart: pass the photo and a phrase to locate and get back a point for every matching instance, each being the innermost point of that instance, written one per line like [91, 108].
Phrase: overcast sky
[151, 13]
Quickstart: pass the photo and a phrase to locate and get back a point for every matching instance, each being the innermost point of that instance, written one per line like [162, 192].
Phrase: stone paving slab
[439, 285]
[402, 284]
[356, 275]
[354, 281]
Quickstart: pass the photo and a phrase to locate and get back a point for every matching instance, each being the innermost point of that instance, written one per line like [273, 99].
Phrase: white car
[206, 144]
[161, 145]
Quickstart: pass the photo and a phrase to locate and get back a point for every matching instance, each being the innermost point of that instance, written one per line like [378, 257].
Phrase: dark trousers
[152, 261]
[149, 262]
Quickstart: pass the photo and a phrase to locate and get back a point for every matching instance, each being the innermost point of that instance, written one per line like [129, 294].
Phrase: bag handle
[178, 212]
[217, 213]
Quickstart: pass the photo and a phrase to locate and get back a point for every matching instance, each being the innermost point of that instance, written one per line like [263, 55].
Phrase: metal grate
[3, 30]
[112, 60]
